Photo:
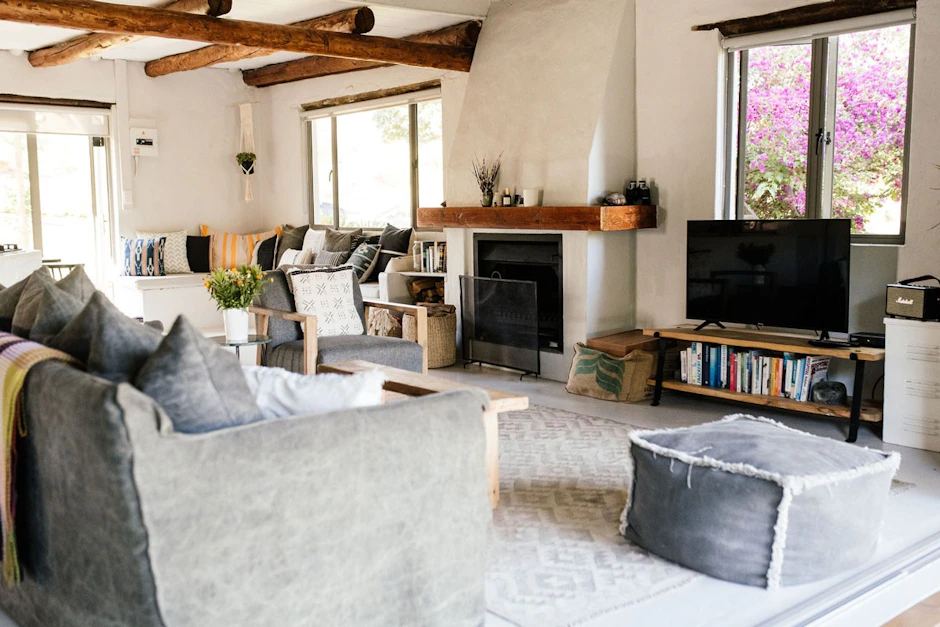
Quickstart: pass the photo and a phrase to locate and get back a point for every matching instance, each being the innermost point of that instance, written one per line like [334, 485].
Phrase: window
[55, 184]
[375, 165]
[818, 129]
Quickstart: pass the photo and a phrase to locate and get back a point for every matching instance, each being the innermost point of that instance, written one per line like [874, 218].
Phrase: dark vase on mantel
[487, 200]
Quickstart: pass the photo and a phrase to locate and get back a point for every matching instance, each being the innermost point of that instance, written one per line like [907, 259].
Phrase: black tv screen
[780, 273]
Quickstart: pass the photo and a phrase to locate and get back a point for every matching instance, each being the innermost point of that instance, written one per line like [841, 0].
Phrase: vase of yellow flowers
[233, 291]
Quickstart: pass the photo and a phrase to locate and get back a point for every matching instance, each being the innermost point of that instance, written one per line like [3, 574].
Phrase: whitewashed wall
[679, 107]
[195, 179]
[536, 91]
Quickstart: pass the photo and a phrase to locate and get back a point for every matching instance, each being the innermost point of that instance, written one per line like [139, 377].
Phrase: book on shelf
[433, 257]
[786, 375]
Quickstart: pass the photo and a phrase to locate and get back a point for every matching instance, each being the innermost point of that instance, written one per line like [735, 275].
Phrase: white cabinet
[18, 264]
[912, 384]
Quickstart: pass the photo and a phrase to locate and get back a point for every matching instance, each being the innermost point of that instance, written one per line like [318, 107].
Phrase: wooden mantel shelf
[585, 218]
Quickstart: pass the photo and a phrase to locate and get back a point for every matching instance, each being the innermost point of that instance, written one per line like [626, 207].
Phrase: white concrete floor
[888, 582]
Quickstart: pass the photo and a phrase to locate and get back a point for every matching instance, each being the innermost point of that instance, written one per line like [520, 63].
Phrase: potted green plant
[233, 291]
[247, 161]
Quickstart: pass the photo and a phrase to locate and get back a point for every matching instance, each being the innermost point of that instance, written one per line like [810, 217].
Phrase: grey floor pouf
[752, 501]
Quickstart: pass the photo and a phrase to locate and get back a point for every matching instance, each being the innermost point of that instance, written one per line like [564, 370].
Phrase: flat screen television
[779, 273]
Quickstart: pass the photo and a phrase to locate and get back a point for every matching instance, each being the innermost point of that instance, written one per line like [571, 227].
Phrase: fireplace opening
[535, 258]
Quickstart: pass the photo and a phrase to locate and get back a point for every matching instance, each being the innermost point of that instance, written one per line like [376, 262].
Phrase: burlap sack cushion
[596, 374]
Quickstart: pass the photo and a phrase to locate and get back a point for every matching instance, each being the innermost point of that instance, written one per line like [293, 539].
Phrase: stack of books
[752, 372]
[433, 257]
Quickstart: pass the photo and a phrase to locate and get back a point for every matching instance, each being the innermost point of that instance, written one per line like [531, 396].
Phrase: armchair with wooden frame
[296, 347]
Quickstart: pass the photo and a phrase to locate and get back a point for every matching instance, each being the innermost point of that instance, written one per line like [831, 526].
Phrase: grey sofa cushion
[385, 351]
[76, 283]
[56, 309]
[291, 237]
[10, 298]
[750, 501]
[111, 345]
[28, 305]
[335, 241]
[199, 385]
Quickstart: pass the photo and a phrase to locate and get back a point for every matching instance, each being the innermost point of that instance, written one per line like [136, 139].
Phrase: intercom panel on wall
[144, 142]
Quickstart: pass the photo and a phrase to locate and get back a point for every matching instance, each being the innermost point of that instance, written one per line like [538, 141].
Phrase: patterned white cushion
[294, 257]
[175, 260]
[313, 241]
[329, 295]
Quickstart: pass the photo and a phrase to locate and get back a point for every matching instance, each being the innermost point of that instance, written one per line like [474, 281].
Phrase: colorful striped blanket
[17, 356]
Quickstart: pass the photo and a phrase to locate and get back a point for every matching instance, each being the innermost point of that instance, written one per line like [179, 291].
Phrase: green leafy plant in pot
[233, 290]
[247, 161]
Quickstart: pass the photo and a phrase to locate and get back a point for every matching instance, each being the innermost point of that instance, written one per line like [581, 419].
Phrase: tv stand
[825, 341]
[778, 343]
[717, 323]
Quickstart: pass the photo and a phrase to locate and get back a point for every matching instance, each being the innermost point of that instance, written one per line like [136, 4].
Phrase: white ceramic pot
[236, 325]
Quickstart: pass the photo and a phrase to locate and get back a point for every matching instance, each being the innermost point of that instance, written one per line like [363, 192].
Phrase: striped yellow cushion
[229, 250]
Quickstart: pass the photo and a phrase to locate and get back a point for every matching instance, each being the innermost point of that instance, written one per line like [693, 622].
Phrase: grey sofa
[369, 517]
[295, 346]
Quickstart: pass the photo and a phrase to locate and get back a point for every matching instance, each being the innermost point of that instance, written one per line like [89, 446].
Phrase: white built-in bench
[164, 298]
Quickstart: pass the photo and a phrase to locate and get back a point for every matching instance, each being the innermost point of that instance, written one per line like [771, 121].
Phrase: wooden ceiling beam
[806, 15]
[463, 35]
[144, 21]
[93, 44]
[357, 21]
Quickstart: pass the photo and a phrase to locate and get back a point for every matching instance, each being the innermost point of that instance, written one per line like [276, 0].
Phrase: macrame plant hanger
[247, 143]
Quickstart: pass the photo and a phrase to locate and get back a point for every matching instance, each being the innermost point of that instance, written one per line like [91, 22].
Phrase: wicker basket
[442, 338]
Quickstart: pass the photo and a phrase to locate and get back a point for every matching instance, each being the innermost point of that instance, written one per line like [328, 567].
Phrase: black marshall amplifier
[918, 302]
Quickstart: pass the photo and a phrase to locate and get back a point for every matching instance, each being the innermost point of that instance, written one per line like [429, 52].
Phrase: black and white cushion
[363, 260]
[332, 258]
[330, 295]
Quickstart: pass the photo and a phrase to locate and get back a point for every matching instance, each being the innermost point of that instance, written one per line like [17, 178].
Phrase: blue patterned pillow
[144, 257]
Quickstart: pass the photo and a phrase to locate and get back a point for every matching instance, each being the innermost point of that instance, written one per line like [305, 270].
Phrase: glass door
[70, 200]
[54, 196]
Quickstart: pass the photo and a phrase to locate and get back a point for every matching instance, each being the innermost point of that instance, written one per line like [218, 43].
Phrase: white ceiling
[393, 18]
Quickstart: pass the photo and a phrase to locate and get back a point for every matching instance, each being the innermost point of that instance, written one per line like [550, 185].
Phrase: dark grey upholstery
[277, 295]
[286, 348]
[10, 298]
[385, 351]
[82, 541]
[748, 500]
[56, 309]
[112, 345]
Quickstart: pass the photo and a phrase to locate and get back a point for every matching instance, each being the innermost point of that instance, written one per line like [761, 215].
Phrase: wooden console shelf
[869, 413]
[585, 218]
[778, 343]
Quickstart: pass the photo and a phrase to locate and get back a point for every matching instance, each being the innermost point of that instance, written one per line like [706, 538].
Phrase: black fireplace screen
[500, 320]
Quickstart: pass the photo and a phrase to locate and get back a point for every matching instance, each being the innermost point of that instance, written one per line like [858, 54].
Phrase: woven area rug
[556, 557]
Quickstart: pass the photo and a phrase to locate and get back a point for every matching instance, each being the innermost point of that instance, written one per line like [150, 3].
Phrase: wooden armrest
[421, 320]
[309, 323]
[399, 307]
[293, 316]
